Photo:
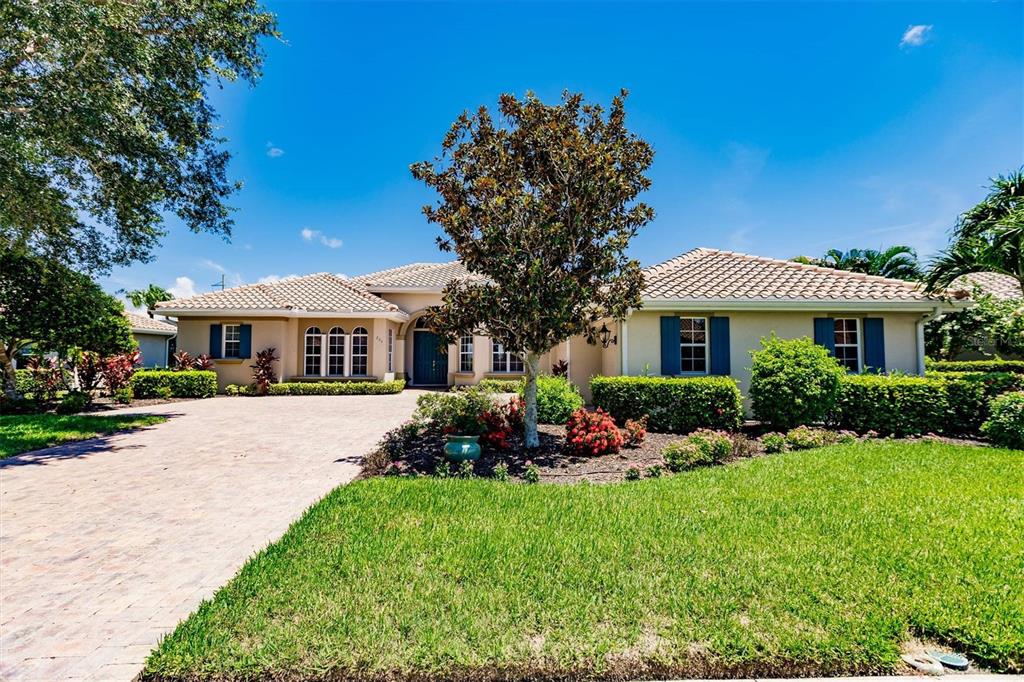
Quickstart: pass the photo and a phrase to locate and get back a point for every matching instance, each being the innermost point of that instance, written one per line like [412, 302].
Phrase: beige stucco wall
[746, 329]
[194, 337]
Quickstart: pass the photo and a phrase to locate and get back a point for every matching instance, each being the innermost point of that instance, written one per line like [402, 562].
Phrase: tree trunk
[530, 398]
[10, 378]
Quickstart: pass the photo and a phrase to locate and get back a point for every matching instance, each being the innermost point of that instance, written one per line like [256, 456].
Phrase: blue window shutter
[720, 346]
[874, 344]
[245, 345]
[670, 345]
[825, 333]
[216, 330]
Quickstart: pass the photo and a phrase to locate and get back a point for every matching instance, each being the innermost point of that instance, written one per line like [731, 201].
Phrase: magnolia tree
[540, 206]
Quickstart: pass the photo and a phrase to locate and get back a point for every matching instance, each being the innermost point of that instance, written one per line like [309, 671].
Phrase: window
[505, 362]
[466, 353]
[391, 350]
[314, 347]
[693, 345]
[232, 341]
[336, 351]
[848, 343]
[360, 340]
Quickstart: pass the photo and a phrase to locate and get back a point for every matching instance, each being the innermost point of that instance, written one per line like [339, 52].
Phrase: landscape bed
[818, 562]
[26, 432]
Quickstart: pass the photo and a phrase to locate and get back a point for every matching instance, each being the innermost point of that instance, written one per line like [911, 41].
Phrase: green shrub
[456, 412]
[557, 399]
[123, 396]
[773, 442]
[501, 385]
[673, 405]
[793, 382]
[147, 383]
[331, 388]
[73, 401]
[700, 447]
[632, 474]
[807, 438]
[1015, 366]
[893, 405]
[1005, 426]
[970, 395]
[24, 381]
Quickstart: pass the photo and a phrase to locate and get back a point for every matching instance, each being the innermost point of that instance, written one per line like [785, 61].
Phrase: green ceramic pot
[461, 448]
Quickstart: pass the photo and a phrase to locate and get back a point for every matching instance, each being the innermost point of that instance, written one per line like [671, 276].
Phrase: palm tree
[987, 238]
[148, 297]
[898, 262]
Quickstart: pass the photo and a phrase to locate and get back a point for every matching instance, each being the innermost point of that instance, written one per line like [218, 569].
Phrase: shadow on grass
[78, 449]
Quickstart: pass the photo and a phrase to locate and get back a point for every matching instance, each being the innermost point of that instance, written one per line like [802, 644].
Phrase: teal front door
[430, 365]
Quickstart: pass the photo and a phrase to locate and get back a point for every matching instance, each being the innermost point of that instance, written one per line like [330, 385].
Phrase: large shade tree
[54, 309]
[106, 125]
[987, 238]
[540, 205]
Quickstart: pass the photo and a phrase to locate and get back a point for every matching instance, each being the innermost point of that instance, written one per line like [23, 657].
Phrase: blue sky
[778, 129]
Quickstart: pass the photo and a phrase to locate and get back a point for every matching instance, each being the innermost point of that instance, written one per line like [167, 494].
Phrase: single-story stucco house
[703, 312]
[155, 338]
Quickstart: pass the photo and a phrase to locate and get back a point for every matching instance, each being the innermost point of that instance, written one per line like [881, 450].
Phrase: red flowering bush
[118, 370]
[592, 433]
[635, 431]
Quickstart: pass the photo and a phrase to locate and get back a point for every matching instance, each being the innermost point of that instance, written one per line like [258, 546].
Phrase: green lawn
[820, 561]
[25, 432]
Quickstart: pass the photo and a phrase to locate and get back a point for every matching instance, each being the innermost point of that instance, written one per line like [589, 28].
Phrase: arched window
[360, 350]
[336, 351]
[314, 348]
[421, 323]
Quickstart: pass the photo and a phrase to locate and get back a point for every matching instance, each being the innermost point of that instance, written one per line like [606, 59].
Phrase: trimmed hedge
[502, 385]
[1006, 425]
[673, 405]
[970, 395]
[337, 387]
[557, 399]
[156, 383]
[1015, 366]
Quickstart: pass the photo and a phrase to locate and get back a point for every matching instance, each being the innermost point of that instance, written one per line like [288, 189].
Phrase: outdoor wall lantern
[604, 335]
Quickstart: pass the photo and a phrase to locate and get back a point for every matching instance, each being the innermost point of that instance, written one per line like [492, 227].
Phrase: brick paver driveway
[107, 544]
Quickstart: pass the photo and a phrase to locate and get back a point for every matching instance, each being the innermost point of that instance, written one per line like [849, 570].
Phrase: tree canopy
[987, 238]
[54, 308]
[897, 262]
[105, 123]
[148, 297]
[540, 206]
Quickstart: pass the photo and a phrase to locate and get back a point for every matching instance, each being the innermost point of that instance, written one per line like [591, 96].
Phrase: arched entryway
[429, 362]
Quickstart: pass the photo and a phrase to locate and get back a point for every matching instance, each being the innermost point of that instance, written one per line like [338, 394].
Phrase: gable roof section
[322, 292]
[144, 324]
[1001, 286]
[712, 276]
[415, 277]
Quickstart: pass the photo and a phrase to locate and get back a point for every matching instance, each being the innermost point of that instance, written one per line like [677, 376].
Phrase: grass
[814, 562]
[24, 432]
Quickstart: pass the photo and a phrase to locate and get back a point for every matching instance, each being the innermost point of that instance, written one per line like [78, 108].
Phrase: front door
[430, 365]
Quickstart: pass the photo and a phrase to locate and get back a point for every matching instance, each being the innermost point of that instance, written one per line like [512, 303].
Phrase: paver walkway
[107, 544]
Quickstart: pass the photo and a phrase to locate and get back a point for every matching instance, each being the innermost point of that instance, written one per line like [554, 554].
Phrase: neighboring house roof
[415, 277]
[713, 277]
[144, 324]
[318, 294]
[999, 285]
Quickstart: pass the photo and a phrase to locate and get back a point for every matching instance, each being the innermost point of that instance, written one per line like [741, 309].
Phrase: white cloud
[916, 35]
[183, 287]
[312, 235]
[274, 152]
[213, 265]
[270, 279]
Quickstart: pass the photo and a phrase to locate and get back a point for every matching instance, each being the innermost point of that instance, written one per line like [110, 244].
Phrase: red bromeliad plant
[497, 430]
[592, 433]
[515, 410]
[181, 361]
[203, 362]
[263, 370]
[89, 368]
[117, 370]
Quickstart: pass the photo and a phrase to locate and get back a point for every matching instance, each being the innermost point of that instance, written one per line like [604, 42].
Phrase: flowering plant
[635, 431]
[592, 433]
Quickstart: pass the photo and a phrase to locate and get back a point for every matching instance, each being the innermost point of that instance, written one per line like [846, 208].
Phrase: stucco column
[379, 350]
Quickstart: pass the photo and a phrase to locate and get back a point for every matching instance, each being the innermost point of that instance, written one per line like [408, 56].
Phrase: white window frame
[858, 345]
[498, 351]
[360, 333]
[689, 344]
[391, 349]
[237, 327]
[306, 355]
[328, 354]
[466, 353]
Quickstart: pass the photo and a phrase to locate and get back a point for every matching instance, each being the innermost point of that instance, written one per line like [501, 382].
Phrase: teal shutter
[245, 345]
[670, 345]
[874, 344]
[825, 333]
[216, 331]
[720, 346]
